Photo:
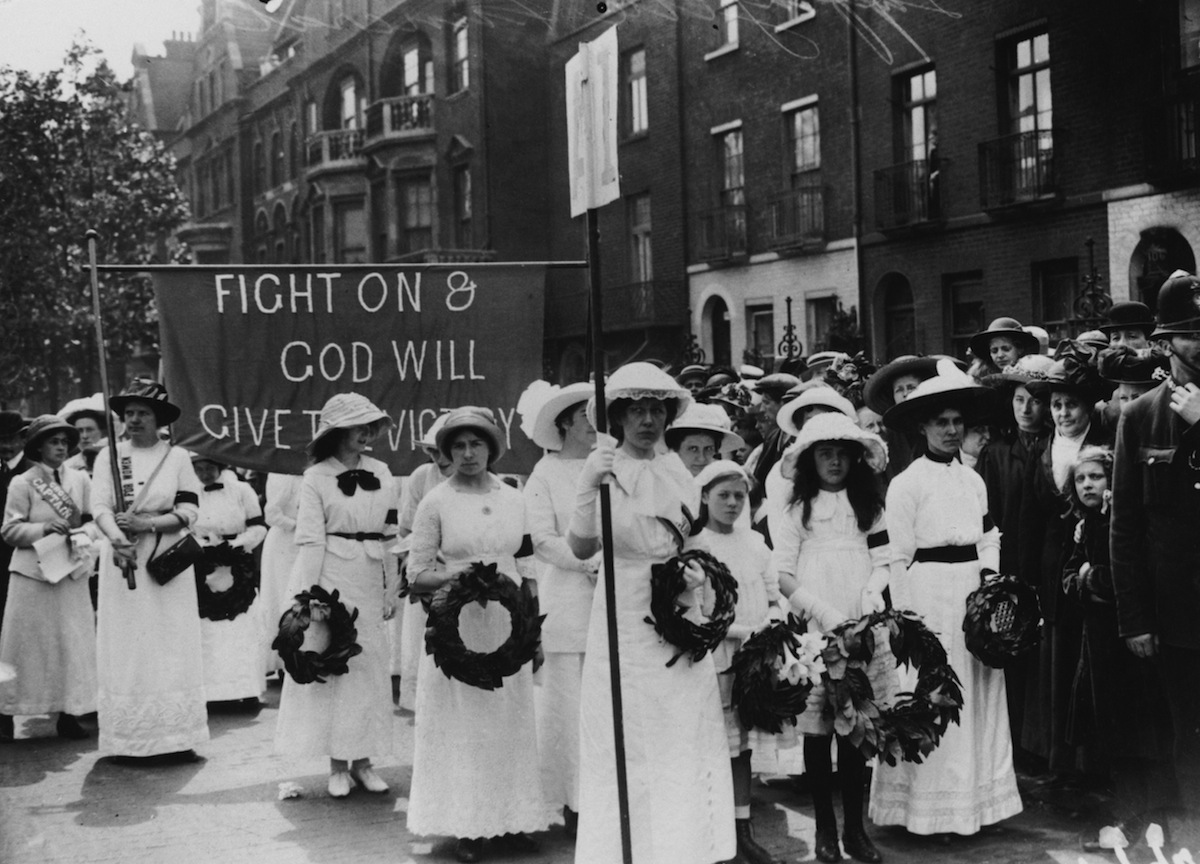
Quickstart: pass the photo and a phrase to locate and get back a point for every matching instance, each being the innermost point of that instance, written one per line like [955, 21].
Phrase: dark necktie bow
[213, 487]
[349, 481]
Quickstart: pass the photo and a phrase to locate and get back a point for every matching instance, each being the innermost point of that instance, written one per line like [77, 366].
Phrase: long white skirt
[412, 648]
[278, 555]
[233, 653]
[556, 701]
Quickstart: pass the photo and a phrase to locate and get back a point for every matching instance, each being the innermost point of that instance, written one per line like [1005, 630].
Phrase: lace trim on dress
[147, 726]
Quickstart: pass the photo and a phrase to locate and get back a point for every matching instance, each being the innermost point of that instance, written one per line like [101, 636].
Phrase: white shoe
[368, 779]
[339, 784]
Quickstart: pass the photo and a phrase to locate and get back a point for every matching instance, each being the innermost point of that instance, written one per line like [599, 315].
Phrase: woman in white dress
[676, 750]
[475, 763]
[49, 634]
[341, 531]
[943, 544]
[230, 514]
[148, 654]
[278, 556]
[558, 423]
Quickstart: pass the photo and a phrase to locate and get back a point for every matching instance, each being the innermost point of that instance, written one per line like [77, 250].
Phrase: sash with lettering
[58, 499]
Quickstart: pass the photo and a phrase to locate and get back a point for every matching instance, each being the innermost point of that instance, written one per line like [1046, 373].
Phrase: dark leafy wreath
[666, 613]
[761, 698]
[1003, 621]
[305, 667]
[234, 600]
[913, 726]
[481, 583]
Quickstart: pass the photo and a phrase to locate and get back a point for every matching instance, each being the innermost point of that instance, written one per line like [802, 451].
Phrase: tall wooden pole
[606, 539]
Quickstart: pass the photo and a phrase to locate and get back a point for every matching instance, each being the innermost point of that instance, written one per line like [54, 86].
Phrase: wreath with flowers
[1003, 621]
[668, 615]
[483, 583]
[234, 600]
[773, 674]
[316, 605]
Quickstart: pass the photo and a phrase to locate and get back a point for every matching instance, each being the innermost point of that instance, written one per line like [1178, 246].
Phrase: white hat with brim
[477, 419]
[1027, 368]
[701, 417]
[719, 469]
[429, 439]
[542, 408]
[834, 427]
[950, 388]
[819, 395]
[345, 411]
[641, 380]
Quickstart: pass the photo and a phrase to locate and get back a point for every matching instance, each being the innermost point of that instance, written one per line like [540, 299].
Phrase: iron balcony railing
[907, 194]
[796, 218]
[400, 117]
[336, 148]
[1016, 169]
[721, 232]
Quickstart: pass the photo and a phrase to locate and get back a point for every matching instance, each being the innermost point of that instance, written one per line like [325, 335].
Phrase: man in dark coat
[1155, 543]
[12, 463]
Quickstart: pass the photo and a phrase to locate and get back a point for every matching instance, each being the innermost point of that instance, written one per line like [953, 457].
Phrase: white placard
[592, 123]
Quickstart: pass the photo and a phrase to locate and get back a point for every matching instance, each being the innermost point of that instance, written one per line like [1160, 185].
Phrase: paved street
[59, 802]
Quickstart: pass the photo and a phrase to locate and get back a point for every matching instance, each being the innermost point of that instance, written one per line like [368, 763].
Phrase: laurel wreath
[667, 613]
[237, 598]
[483, 583]
[1003, 621]
[317, 604]
[762, 697]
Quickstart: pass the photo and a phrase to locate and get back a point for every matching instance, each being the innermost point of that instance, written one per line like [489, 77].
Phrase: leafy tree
[72, 158]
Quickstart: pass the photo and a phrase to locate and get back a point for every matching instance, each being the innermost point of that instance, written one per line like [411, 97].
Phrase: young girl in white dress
[831, 557]
[724, 489]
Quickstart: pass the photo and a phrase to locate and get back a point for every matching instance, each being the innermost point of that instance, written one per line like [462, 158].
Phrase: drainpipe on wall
[684, 224]
[864, 316]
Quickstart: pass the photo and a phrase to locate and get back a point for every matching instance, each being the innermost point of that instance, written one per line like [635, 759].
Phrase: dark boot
[826, 846]
[68, 727]
[6, 727]
[469, 849]
[859, 846]
[748, 849]
[570, 821]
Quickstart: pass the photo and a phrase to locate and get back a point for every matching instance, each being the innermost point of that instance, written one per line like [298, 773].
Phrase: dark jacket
[1003, 465]
[1155, 533]
[1046, 531]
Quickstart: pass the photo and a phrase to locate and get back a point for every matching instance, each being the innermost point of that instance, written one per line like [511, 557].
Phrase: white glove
[597, 467]
[591, 566]
[238, 542]
[693, 576]
[872, 601]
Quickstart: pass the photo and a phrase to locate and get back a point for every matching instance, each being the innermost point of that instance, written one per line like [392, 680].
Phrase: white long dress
[475, 761]
[968, 781]
[233, 650]
[412, 627]
[148, 654]
[49, 632]
[565, 593]
[676, 751]
[278, 556]
[347, 716]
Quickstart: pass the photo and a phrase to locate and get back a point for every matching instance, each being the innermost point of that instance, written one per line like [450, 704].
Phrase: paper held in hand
[58, 557]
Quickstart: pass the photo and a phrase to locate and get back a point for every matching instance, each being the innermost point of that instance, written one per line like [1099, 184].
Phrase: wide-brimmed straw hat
[1030, 367]
[834, 427]
[719, 469]
[950, 388]
[711, 419]
[345, 411]
[540, 405]
[820, 394]
[85, 406]
[150, 392]
[877, 392]
[1067, 376]
[41, 428]
[477, 419]
[641, 380]
[1011, 328]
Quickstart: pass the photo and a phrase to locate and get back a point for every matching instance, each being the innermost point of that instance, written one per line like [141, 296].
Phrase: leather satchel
[176, 558]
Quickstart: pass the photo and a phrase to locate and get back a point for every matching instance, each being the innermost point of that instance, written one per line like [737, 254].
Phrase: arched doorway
[717, 330]
[896, 317]
[1159, 253]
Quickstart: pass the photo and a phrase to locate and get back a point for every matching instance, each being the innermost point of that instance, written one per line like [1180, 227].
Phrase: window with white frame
[641, 263]
[351, 103]
[636, 110]
[463, 234]
[819, 315]
[460, 77]
[760, 332]
[804, 139]
[414, 199]
[733, 167]
[727, 23]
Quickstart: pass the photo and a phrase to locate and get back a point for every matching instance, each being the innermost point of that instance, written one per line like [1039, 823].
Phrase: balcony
[635, 306]
[796, 219]
[907, 195]
[721, 233]
[1017, 169]
[338, 149]
[400, 118]
[1173, 143]
[446, 256]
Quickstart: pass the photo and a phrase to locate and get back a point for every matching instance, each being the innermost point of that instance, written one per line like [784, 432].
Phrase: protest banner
[250, 354]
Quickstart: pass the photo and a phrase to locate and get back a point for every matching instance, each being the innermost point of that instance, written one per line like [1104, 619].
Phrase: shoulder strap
[146, 488]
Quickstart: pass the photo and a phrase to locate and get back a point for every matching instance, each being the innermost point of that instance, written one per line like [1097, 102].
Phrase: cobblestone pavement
[59, 802]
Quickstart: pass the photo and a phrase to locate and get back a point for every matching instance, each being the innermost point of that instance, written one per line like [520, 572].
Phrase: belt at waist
[360, 536]
[947, 554]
